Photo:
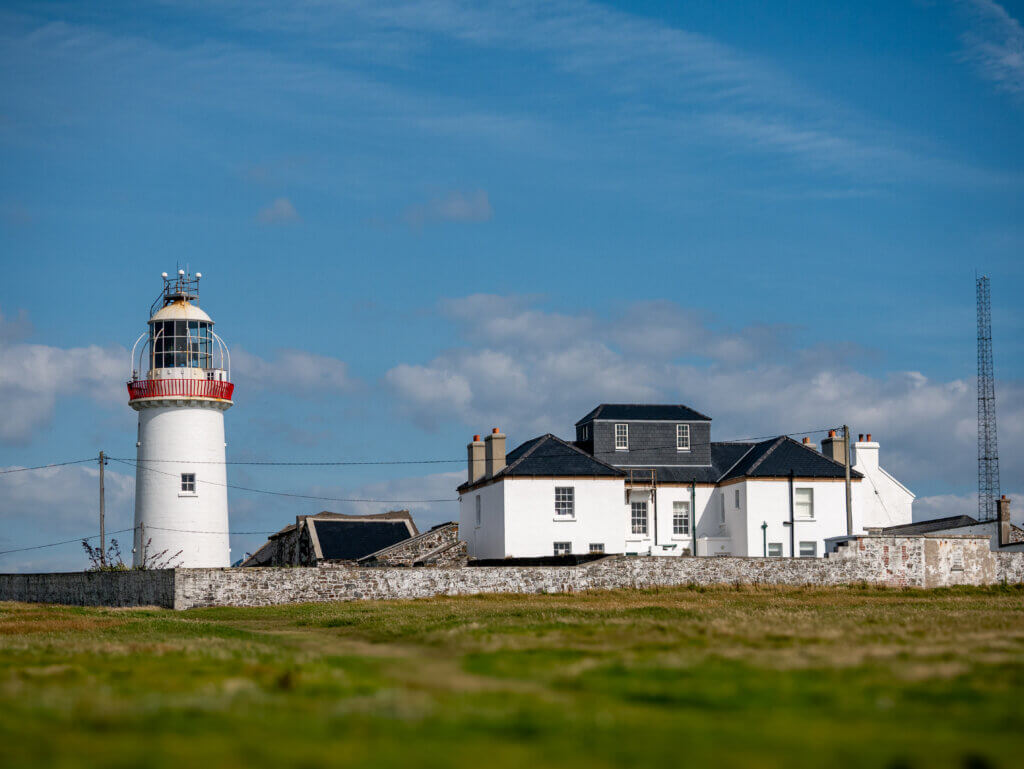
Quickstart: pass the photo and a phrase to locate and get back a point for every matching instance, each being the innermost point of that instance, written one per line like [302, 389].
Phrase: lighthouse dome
[180, 310]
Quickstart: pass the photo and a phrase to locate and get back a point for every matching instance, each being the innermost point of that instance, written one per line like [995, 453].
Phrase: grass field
[720, 677]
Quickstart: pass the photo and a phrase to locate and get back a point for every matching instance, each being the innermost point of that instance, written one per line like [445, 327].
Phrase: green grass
[725, 677]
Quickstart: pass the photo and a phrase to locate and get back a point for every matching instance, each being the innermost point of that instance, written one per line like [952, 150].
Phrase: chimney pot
[860, 437]
[476, 438]
[831, 433]
[494, 430]
[869, 437]
[806, 440]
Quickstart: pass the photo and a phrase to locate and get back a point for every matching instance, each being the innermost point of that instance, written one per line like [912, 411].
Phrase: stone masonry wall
[409, 551]
[888, 561]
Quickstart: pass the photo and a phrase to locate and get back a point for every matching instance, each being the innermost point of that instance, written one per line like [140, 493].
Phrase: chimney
[494, 452]
[832, 447]
[865, 454]
[475, 458]
[808, 444]
[1003, 506]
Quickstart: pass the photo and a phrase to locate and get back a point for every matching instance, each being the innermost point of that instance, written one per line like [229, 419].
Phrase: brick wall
[888, 561]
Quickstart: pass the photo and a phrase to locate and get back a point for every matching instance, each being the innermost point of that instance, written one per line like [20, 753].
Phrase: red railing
[181, 388]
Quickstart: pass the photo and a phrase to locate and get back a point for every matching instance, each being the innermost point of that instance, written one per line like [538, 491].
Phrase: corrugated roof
[936, 524]
[627, 411]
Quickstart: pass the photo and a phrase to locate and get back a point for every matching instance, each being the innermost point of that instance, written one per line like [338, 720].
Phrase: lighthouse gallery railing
[184, 388]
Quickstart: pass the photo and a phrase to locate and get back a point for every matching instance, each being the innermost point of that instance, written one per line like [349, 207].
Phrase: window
[478, 512]
[181, 344]
[563, 548]
[621, 437]
[597, 547]
[565, 502]
[803, 504]
[774, 549]
[638, 517]
[188, 483]
[737, 493]
[808, 549]
[682, 437]
[681, 518]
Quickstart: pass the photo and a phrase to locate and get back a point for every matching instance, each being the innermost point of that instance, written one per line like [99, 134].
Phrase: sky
[418, 220]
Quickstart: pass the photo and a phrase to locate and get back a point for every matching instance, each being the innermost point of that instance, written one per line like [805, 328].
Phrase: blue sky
[417, 220]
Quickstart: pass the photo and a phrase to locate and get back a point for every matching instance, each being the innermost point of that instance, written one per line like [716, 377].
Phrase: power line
[330, 463]
[344, 463]
[285, 493]
[64, 542]
[45, 467]
[123, 530]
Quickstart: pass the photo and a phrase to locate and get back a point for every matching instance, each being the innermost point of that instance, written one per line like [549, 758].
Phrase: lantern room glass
[181, 344]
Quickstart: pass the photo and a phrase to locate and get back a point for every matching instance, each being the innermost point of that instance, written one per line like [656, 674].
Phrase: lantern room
[180, 347]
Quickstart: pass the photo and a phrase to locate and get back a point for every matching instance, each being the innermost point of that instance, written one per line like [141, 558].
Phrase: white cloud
[456, 206]
[33, 376]
[530, 371]
[295, 371]
[995, 45]
[281, 211]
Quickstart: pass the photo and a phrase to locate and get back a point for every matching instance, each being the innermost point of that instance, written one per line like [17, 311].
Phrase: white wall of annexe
[175, 437]
[518, 517]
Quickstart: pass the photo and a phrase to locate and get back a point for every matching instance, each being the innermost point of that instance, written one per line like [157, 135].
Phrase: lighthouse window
[188, 483]
[181, 344]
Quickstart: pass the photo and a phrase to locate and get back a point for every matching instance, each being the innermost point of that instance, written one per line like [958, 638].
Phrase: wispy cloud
[995, 45]
[456, 206]
[281, 211]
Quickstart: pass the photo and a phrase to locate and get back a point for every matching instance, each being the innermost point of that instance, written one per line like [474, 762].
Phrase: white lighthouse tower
[181, 387]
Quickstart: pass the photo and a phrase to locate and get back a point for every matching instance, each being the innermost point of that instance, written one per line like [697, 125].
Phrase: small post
[849, 491]
[103, 514]
[764, 536]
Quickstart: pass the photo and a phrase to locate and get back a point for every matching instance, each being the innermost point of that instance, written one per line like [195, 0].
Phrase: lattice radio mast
[988, 447]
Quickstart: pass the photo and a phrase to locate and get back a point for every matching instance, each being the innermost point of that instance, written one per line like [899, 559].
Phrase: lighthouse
[181, 387]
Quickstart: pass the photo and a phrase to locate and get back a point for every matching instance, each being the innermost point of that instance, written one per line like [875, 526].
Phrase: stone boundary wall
[884, 561]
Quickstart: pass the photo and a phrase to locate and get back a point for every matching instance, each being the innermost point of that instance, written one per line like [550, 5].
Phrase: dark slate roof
[342, 540]
[547, 456]
[936, 524]
[778, 457]
[723, 457]
[627, 411]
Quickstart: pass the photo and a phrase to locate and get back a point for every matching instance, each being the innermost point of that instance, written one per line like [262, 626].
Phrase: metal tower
[988, 448]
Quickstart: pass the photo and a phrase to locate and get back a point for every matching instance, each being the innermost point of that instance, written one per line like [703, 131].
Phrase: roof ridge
[733, 465]
[776, 442]
[518, 460]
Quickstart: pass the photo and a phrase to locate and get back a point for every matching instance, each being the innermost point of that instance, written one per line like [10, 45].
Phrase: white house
[648, 479]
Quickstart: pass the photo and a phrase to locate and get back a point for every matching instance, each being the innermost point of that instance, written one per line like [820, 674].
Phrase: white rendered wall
[886, 501]
[768, 502]
[532, 528]
[488, 539]
[193, 431]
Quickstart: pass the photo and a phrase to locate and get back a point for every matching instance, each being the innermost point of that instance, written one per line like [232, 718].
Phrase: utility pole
[103, 515]
[849, 490]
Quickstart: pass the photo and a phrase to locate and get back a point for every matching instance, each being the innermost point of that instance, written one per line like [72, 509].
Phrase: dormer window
[682, 437]
[622, 437]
